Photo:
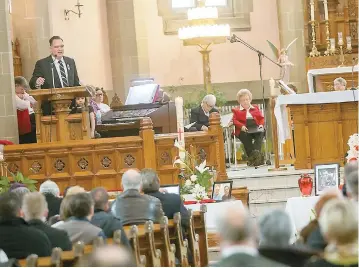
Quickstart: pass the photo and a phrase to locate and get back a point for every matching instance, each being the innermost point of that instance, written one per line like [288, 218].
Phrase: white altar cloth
[338, 70]
[280, 110]
[212, 212]
[300, 212]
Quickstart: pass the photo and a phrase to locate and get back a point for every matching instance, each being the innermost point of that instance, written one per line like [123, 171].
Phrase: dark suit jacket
[132, 207]
[58, 238]
[171, 204]
[198, 116]
[19, 240]
[109, 224]
[43, 69]
[246, 260]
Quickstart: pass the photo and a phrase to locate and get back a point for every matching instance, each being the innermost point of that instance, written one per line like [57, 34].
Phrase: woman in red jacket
[249, 124]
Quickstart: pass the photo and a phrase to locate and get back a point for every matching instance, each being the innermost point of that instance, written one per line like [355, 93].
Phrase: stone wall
[8, 118]
[291, 26]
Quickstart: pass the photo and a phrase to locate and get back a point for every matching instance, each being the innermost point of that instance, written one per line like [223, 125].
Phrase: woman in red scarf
[249, 124]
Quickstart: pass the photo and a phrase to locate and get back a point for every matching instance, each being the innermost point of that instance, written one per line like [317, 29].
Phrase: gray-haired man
[132, 207]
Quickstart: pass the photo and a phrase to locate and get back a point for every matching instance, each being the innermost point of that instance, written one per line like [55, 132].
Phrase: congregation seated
[35, 212]
[132, 207]
[339, 225]
[237, 234]
[77, 212]
[200, 115]
[340, 84]
[108, 256]
[102, 217]
[19, 189]
[51, 192]
[275, 230]
[171, 203]
[249, 127]
[18, 239]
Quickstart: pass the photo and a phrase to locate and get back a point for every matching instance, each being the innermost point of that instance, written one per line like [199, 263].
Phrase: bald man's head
[131, 180]
[236, 226]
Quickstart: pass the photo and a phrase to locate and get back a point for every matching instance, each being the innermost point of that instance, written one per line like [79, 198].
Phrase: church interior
[179, 133]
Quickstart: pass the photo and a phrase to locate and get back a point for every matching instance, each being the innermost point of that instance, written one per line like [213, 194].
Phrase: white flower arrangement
[196, 178]
[353, 152]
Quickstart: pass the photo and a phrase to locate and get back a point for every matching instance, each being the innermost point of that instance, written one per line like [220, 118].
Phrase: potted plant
[5, 182]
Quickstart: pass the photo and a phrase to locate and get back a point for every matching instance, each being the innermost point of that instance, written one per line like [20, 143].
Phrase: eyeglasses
[99, 94]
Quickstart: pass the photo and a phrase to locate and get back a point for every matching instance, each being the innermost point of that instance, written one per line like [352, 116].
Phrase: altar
[323, 123]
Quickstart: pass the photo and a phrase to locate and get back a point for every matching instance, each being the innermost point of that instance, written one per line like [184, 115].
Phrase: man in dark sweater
[17, 238]
[35, 213]
[171, 203]
[200, 115]
[106, 221]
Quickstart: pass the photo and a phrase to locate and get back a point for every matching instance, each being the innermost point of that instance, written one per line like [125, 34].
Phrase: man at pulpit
[54, 71]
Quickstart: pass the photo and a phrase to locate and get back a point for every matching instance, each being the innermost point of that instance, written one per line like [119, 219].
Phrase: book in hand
[255, 129]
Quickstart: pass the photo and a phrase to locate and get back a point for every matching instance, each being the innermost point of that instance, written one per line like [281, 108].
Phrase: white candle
[180, 126]
[326, 9]
[332, 44]
[349, 43]
[340, 39]
[272, 87]
[312, 10]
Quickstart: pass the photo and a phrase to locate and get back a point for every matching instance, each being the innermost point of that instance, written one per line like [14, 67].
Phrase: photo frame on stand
[326, 176]
[222, 191]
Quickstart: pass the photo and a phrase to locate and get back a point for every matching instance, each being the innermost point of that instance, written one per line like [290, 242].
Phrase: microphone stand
[51, 92]
[261, 55]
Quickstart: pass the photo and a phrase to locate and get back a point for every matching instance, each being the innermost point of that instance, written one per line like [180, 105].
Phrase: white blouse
[23, 104]
[249, 115]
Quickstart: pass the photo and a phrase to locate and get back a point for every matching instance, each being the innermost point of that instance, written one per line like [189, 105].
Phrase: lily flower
[202, 167]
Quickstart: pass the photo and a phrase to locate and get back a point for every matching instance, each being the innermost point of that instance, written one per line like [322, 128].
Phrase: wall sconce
[67, 11]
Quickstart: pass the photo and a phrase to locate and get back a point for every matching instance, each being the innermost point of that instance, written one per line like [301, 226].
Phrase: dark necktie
[63, 75]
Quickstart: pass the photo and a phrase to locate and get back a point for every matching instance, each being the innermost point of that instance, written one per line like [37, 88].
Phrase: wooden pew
[61, 258]
[193, 242]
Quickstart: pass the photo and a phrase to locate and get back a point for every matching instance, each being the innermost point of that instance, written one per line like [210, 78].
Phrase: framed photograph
[326, 176]
[222, 191]
[171, 188]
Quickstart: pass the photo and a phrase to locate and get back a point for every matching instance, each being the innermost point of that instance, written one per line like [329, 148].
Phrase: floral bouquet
[353, 152]
[194, 179]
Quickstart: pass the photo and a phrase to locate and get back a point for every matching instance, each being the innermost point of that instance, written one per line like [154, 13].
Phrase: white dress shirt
[249, 115]
[57, 65]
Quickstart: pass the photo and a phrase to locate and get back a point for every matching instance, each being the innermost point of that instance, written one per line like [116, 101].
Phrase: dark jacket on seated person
[58, 238]
[242, 259]
[200, 118]
[132, 207]
[171, 204]
[19, 240]
[294, 256]
[53, 203]
[109, 224]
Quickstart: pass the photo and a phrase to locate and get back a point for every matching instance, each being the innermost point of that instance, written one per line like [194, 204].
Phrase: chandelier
[202, 28]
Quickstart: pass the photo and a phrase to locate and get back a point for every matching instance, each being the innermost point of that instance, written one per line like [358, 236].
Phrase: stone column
[291, 26]
[8, 116]
[31, 25]
[128, 43]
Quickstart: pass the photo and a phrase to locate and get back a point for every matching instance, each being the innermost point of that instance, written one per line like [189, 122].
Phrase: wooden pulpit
[61, 126]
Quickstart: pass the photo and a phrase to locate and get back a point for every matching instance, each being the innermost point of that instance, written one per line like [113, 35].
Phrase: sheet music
[142, 94]
[226, 119]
